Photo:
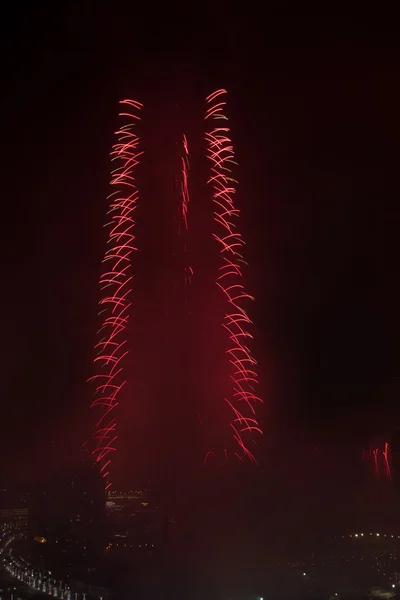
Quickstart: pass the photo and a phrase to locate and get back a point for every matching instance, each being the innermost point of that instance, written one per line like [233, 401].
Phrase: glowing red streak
[385, 453]
[243, 400]
[116, 284]
[207, 456]
[184, 204]
[376, 463]
[184, 183]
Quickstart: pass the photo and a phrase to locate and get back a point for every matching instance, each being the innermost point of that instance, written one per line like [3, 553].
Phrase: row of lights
[362, 535]
[376, 534]
[129, 546]
[22, 571]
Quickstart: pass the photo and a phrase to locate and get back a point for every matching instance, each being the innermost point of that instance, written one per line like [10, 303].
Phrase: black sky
[314, 109]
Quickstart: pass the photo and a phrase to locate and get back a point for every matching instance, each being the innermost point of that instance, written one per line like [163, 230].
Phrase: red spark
[115, 284]
[243, 399]
[207, 456]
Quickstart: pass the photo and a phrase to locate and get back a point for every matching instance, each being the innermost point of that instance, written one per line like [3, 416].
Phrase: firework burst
[385, 453]
[184, 205]
[116, 285]
[243, 368]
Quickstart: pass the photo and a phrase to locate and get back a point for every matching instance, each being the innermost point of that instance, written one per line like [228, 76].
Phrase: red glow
[115, 284]
[244, 425]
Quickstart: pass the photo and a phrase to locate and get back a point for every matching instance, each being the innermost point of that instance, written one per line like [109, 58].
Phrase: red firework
[376, 461]
[385, 453]
[115, 284]
[184, 204]
[184, 183]
[243, 399]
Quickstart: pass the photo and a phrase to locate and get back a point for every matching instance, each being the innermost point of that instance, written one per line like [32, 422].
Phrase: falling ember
[243, 399]
[115, 285]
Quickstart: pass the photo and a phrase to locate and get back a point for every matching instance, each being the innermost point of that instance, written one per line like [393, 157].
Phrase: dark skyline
[314, 115]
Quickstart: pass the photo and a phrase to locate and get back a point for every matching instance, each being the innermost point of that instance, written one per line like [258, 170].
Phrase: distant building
[135, 523]
[13, 509]
[69, 512]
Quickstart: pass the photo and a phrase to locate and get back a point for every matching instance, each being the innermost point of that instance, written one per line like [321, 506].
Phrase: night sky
[314, 113]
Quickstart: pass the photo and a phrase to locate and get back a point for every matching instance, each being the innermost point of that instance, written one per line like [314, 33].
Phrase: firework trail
[243, 399]
[184, 205]
[376, 461]
[385, 453]
[184, 184]
[115, 284]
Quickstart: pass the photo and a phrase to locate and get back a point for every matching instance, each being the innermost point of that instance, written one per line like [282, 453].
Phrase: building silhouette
[68, 513]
